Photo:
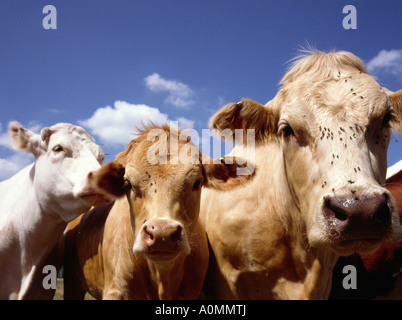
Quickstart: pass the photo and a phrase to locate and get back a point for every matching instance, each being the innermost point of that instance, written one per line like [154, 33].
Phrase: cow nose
[354, 218]
[91, 175]
[160, 235]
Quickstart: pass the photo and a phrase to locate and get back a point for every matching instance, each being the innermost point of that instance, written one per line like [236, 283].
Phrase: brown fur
[396, 102]
[100, 257]
[244, 115]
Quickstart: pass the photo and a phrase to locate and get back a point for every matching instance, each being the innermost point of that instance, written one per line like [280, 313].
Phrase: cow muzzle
[365, 219]
[161, 239]
[89, 194]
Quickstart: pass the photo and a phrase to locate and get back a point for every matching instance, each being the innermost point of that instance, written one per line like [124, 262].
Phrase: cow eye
[287, 131]
[127, 185]
[197, 184]
[58, 149]
[386, 119]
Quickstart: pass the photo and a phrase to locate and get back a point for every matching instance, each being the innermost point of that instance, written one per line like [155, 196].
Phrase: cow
[321, 153]
[37, 203]
[378, 274]
[148, 243]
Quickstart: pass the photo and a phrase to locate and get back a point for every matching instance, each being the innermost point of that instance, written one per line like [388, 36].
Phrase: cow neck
[310, 264]
[313, 262]
[272, 188]
[168, 276]
[317, 283]
[34, 217]
[38, 233]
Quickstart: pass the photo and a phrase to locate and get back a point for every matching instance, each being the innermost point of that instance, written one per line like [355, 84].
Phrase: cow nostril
[336, 209]
[342, 216]
[384, 214]
[176, 235]
[150, 235]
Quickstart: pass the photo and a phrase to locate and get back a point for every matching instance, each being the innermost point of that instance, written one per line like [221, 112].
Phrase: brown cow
[321, 154]
[148, 244]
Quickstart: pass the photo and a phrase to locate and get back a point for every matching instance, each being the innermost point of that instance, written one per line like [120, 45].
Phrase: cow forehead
[69, 128]
[171, 176]
[74, 136]
[169, 159]
[353, 97]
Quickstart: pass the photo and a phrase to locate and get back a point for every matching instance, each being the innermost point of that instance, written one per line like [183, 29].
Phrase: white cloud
[185, 123]
[11, 165]
[117, 125]
[180, 94]
[34, 126]
[388, 61]
[4, 138]
[55, 111]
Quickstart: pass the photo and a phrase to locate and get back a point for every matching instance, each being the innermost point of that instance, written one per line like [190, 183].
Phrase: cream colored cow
[321, 154]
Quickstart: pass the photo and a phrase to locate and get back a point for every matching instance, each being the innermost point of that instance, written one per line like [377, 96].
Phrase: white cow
[37, 203]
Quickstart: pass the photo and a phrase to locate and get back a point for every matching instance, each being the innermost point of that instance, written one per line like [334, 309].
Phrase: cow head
[163, 189]
[332, 122]
[65, 158]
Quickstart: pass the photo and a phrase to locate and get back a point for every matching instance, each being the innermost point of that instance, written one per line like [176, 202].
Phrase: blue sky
[109, 64]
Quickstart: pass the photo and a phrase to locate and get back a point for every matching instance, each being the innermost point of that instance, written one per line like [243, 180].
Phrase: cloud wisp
[386, 61]
[179, 94]
[117, 124]
[11, 165]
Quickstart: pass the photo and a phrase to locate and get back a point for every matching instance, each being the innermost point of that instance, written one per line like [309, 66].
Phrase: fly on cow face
[321, 152]
[347, 118]
[329, 118]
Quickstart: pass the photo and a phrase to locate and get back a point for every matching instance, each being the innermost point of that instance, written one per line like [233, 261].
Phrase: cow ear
[109, 179]
[24, 139]
[228, 173]
[45, 133]
[396, 102]
[246, 114]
